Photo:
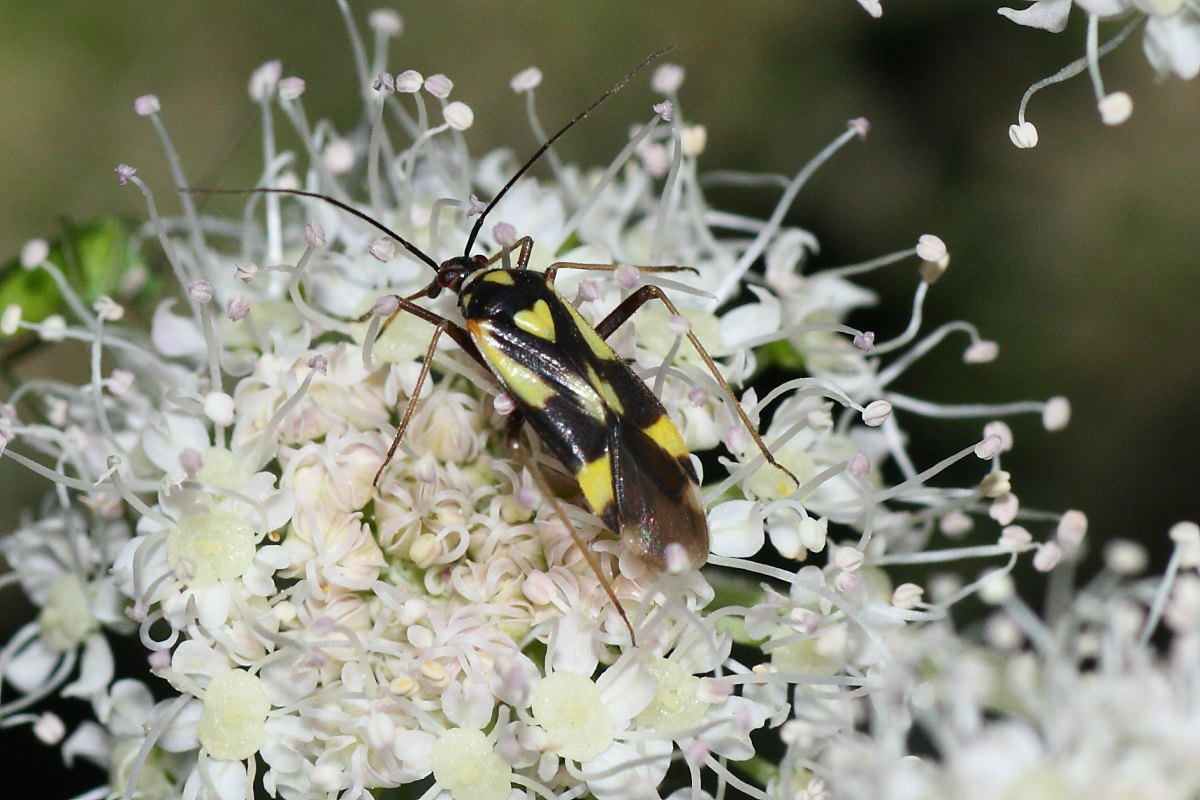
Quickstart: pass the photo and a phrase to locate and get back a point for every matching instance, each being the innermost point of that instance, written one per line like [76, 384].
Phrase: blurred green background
[1078, 257]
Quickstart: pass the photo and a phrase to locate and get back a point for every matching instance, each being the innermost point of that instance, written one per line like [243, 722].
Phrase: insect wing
[592, 411]
[556, 400]
[657, 501]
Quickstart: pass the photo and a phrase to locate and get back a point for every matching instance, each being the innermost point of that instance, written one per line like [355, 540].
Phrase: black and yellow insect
[588, 407]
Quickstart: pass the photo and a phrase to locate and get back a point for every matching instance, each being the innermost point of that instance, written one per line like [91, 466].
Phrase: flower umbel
[322, 628]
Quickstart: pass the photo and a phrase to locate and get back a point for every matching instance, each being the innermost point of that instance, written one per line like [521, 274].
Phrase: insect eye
[449, 277]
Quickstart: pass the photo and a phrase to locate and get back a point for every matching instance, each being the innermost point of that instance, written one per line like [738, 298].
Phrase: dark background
[1078, 257]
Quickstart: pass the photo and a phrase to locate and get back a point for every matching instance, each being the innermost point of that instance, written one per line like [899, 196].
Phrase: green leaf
[567, 246]
[733, 589]
[782, 355]
[100, 257]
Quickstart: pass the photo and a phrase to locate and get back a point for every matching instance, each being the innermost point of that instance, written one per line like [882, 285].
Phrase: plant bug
[588, 407]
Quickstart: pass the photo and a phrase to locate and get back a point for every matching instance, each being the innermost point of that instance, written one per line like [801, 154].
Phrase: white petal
[180, 735]
[786, 256]
[130, 701]
[732, 739]
[229, 777]
[89, 741]
[108, 606]
[213, 604]
[626, 687]
[198, 659]
[278, 507]
[573, 646]
[1050, 15]
[95, 670]
[172, 335]
[512, 679]
[751, 320]
[31, 666]
[415, 751]
[468, 706]
[279, 749]
[168, 435]
[736, 528]
[259, 582]
[288, 678]
[639, 779]
[1172, 44]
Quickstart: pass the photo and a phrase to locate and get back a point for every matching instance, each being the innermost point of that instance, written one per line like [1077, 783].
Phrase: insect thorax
[502, 293]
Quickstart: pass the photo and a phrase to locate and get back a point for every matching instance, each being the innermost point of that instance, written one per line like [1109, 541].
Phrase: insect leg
[552, 270]
[631, 304]
[441, 325]
[524, 456]
[526, 246]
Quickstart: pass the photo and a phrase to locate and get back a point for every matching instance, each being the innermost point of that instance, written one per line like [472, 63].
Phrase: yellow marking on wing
[606, 391]
[536, 321]
[666, 435]
[587, 398]
[596, 482]
[518, 378]
[499, 276]
[598, 346]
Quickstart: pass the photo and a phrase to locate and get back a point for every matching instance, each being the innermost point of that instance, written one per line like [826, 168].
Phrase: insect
[588, 407]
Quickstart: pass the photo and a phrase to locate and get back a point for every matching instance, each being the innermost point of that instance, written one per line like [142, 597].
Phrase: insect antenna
[616, 87]
[407, 245]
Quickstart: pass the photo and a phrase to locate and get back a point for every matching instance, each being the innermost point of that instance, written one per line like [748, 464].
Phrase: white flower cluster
[321, 634]
[1080, 704]
[1171, 41]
